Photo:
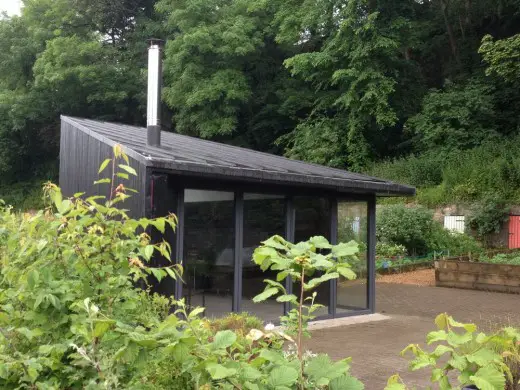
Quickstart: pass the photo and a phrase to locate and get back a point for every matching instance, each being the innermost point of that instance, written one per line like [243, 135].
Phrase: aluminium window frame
[289, 192]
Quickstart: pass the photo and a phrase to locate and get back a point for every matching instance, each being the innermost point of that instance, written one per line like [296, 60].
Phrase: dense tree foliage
[338, 82]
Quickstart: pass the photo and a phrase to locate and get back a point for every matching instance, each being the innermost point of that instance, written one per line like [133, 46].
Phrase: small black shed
[227, 200]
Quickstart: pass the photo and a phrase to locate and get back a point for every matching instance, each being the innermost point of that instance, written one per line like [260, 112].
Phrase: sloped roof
[194, 156]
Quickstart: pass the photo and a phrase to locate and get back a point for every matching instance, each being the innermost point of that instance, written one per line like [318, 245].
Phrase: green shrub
[422, 171]
[454, 243]
[23, 196]
[488, 216]
[407, 226]
[415, 229]
[384, 249]
[502, 258]
[459, 175]
[240, 323]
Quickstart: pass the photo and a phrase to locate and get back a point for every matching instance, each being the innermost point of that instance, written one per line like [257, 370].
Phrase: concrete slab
[346, 321]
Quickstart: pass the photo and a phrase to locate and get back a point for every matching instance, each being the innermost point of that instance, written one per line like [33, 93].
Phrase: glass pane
[312, 218]
[352, 225]
[209, 242]
[264, 216]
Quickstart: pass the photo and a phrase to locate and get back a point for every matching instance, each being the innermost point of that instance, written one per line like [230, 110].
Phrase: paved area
[375, 346]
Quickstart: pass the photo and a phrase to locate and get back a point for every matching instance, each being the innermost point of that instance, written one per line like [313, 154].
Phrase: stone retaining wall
[478, 276]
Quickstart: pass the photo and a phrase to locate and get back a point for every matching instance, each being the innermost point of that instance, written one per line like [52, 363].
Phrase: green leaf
[102, 326]
[395, 383]
[122, 175]
[128, 169]
[395, 386]
[248, 373]
[320, 262]
[158, 273]
[489, 378]
[287, 298]
[38, 301]
[29, 334]
[103, 165]
[441, 350]
[266, 294]
[483, 356]
[160, 224]
[272, 356]
[455, 339]
[102, 181]
[441, 321]
[64, 206]
[323, 278]
[346, 382]
[438, 335]
[282, 377]
[468, 327]
[4, 371]
[32, 278]
[224, 339]
[345, 249]
[218, 371]
[320, 242]
[347, 273]
[444, 383]
[196, 312]
[458, 362]
[278, 285]
[148, 251]
[321, 370]
[277, 242]
[171, 273]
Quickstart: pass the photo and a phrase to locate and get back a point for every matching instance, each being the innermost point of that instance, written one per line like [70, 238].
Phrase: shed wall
[80, 158]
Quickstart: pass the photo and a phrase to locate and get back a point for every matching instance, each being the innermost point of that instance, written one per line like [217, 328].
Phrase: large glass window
[352, 225]
[209, 241]
[264, 216]
[312, 218]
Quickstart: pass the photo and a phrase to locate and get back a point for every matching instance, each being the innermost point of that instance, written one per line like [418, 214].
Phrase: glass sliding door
[264, 216]
[208, 259]
[312, 218]
[352, 295]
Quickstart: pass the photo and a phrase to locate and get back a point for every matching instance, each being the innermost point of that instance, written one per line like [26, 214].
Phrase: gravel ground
[423, 277]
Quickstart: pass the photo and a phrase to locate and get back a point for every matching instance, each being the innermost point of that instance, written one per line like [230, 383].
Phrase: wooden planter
[478, 276]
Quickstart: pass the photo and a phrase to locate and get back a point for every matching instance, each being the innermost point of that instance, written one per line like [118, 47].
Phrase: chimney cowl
[153, 109]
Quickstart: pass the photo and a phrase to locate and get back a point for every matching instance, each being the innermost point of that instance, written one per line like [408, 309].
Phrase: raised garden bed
[477, 275]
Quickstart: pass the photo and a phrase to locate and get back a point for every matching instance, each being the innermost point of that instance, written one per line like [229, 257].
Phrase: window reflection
[312, 218]
[209, 250]
[264, 216]
[352, 225]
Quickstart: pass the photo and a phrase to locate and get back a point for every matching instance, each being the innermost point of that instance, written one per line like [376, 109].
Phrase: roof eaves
[389, 189]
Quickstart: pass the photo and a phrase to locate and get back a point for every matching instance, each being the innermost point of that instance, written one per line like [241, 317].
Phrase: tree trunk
[449, 30]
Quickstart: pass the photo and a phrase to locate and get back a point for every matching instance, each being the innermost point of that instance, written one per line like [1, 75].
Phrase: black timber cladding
[191, 156]
[80, 158]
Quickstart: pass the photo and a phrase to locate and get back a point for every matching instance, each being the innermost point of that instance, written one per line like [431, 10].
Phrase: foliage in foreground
[76, 310]
[464, 357]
